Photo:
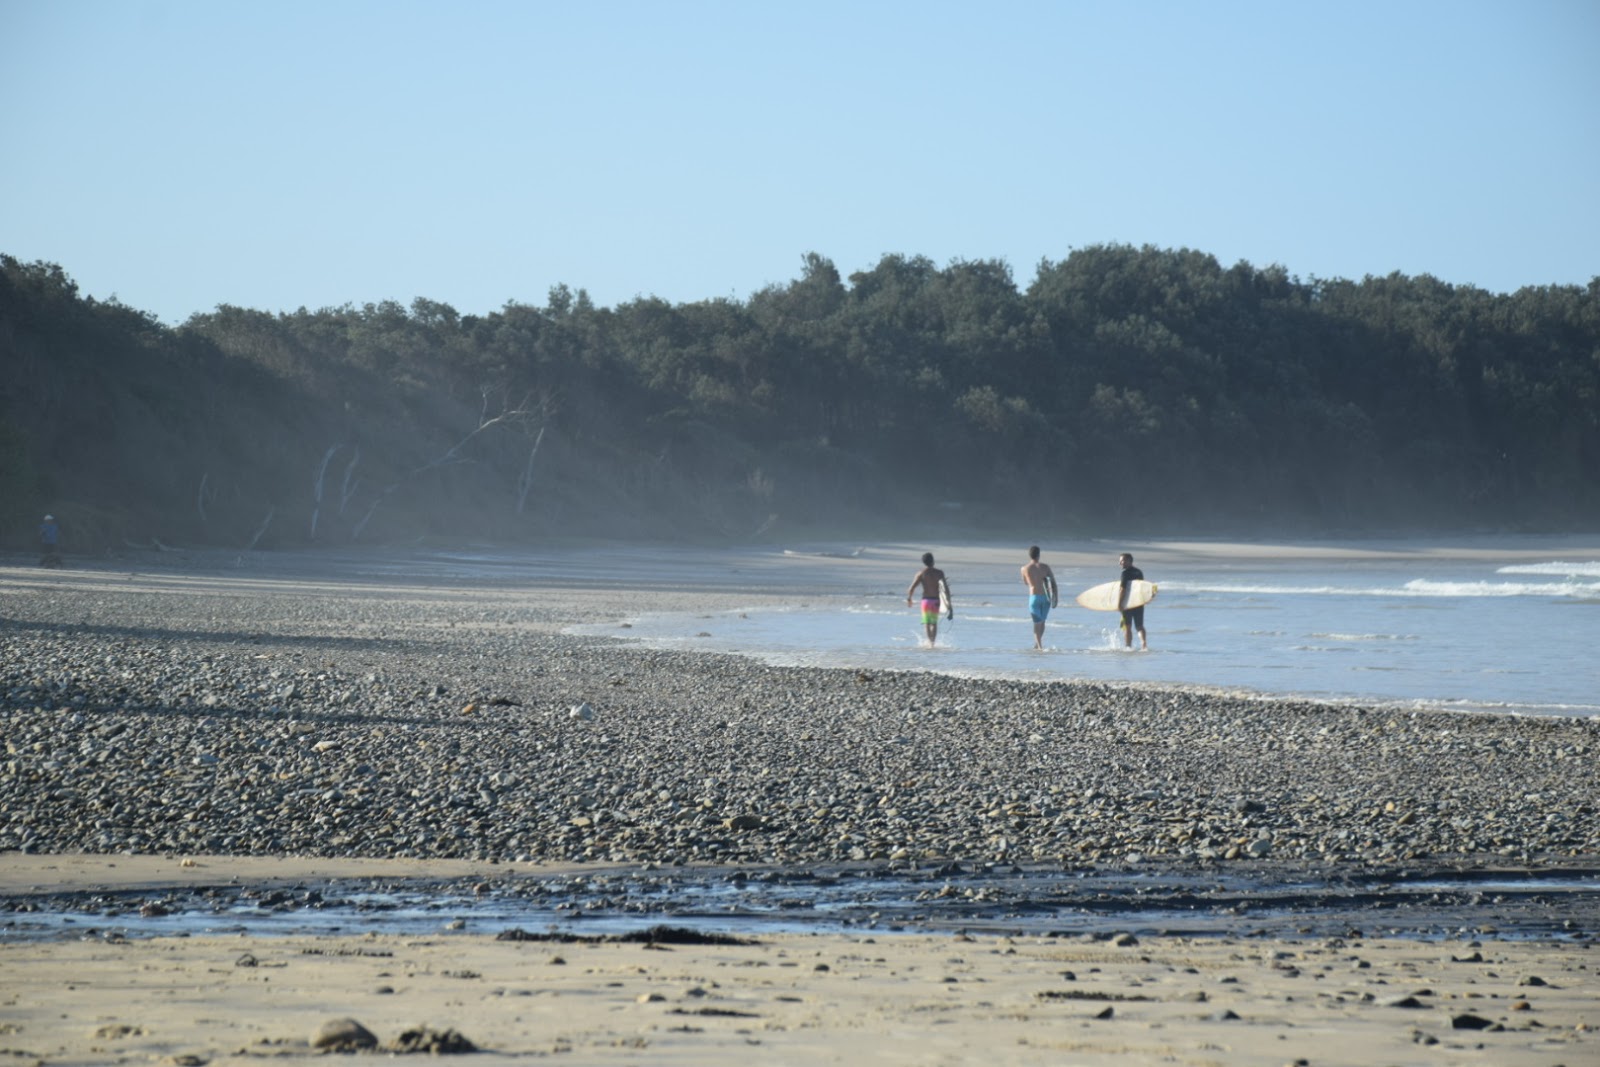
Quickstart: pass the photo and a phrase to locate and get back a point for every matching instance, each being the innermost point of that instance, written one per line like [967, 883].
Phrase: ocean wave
[1419, 587]
[1565, 570]
[1364, 637]
[1426, 587]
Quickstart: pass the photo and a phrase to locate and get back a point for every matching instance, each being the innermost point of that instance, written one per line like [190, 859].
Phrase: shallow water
[1477, 634]
[995, 899]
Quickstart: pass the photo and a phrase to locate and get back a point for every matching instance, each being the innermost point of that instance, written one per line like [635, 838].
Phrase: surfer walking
[1042, 593]
[935, 596]
[1132, 618]
[50, 542]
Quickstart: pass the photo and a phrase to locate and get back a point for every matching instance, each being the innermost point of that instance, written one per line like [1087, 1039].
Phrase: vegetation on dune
[1124, 387]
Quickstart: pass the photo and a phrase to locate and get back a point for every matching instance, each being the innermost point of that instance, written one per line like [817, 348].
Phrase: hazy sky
[179, 154]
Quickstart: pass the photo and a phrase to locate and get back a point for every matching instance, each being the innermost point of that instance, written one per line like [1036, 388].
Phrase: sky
[177, 155]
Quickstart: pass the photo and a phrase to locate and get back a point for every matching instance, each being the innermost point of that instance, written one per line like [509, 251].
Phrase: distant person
[934, 587]
[1132, 618]
[1042, 593]
[50, 542]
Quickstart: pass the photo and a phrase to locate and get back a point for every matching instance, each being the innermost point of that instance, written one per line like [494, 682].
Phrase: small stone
[1468, 1021]
[1406, 1002]
[343, 1034]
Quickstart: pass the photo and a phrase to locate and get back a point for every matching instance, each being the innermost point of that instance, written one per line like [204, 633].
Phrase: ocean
[1505, 625]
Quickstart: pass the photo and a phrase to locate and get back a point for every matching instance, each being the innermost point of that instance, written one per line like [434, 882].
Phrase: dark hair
[1033, 552]
[927, 559]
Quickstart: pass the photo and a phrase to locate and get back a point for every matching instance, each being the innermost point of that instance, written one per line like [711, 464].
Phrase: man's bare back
[929, 578]
[1038, 577]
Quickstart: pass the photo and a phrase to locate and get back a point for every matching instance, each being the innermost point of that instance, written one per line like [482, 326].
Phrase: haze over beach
[461, 468]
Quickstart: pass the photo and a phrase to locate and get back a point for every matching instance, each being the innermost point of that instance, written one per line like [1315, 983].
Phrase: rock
[435, 1042]
[582, 712]
[1468, 1021]
[1406, 1002]
[343, 1035]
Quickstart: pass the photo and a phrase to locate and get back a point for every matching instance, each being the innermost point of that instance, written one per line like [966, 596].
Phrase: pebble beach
[215, 707]
[253, 713]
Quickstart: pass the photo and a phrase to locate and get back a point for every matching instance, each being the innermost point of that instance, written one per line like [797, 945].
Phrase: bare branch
[262, 529]
[316, 488]
[348, 489]
[526, 481]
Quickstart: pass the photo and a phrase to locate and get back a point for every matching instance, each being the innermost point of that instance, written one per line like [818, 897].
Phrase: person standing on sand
[1132, 618]
[933, 583]
[1042, 592]
[50, 542]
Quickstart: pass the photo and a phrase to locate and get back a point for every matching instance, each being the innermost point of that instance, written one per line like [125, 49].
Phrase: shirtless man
[931, 578]
[1042, 593]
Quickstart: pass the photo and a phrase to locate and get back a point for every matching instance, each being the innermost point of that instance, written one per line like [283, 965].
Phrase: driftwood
[155, 545]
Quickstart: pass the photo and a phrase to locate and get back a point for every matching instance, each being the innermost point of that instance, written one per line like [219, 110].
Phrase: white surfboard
[1104, 597]
[944, 601]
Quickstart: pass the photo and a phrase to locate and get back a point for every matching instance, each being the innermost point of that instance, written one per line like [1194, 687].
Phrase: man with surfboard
[935, 596]
[1042, 594]
[1128, 595]
[1132, 617]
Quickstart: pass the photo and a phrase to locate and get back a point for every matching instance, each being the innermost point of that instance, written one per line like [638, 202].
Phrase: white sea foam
[1419, 587]
[1424, 587]
[1364, 637]
[1566, 570]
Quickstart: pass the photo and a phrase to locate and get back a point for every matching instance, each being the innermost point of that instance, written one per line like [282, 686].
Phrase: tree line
[1124, 389]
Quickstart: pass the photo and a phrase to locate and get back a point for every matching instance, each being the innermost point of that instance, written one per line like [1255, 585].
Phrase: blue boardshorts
[1039, 607]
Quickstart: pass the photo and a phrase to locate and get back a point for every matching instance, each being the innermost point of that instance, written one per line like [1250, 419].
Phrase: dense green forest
[1125, 390]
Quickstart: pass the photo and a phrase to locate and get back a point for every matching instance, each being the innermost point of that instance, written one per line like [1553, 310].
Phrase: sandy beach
[227, 721]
